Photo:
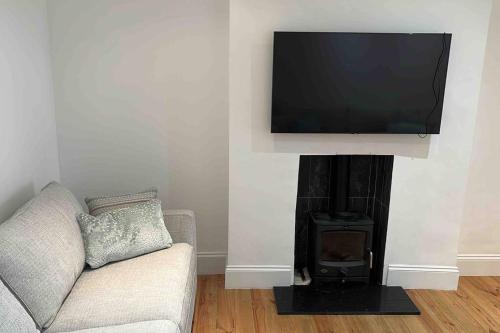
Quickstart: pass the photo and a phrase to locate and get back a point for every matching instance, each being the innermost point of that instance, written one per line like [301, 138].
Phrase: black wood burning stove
[340, 242]
[340, 247]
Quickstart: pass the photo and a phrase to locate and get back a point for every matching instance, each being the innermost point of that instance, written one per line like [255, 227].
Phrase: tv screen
[329, 82]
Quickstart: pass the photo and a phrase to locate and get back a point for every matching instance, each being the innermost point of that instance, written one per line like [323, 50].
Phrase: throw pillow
[102, 204]
[124, 233]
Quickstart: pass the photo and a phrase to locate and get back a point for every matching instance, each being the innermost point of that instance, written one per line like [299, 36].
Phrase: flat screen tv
[331, 82]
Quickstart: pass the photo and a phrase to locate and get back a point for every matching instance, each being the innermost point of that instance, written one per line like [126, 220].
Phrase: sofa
[46, 287]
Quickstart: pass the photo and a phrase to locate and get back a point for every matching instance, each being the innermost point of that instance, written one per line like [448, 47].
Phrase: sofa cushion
[41, 251]
[150, 287]
[124, 233]
[106, 203]
[153, 326]
[13, 317]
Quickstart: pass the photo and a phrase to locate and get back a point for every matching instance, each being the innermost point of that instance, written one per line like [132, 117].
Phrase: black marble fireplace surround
[365, 186]
[369, 187]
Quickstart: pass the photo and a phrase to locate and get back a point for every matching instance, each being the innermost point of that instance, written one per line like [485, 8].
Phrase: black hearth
[347, 299]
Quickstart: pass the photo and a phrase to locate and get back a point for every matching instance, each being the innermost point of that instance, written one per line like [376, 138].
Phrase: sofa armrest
[181, 225]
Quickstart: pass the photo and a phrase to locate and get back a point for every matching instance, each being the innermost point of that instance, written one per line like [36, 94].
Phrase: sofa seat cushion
[41, 251]
[150, 287]
[153, 326]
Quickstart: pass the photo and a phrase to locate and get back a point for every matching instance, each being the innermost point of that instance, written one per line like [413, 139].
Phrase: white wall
[28, 147]
[479, 239]
[141, 100]
[429, 175]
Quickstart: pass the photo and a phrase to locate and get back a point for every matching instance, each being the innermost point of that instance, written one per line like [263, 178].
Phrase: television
[336, 82]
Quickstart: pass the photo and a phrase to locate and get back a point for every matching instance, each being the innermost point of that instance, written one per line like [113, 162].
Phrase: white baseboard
[479, 264]
[258, 276]
[211, 262]
[423, 277]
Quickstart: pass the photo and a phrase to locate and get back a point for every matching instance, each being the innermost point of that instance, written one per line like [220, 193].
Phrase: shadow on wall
[409, 145]
[16, 200]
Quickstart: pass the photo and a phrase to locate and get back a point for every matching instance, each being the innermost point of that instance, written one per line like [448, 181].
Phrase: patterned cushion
[41, 251]
[102, 204]
[124, 233]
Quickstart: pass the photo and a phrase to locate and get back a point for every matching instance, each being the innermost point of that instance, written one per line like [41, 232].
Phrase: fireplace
[340, 247]
[340, 232]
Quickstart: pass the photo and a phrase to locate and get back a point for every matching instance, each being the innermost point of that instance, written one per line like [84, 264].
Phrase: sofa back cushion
[14, 317]
[108, 203]
[42, 253]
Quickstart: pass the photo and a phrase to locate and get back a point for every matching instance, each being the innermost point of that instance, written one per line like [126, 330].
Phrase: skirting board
[211, 263]
[423, 277]
[258, 276]
[406, 276]
[479, 264]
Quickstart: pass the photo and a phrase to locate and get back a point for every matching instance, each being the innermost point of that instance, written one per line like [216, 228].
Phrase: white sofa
[46, 288]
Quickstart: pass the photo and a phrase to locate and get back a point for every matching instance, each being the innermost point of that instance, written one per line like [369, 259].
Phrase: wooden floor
[475, 307]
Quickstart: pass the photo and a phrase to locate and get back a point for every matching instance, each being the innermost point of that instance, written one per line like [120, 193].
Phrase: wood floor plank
[206, 304]
[373, 324]
[267, 319]
[480, 296]
[225, 319]
[239, 305]
[406, 324]
[474, 307]
[471, 311]
[427, 315]
[331, 324]
[265, 315]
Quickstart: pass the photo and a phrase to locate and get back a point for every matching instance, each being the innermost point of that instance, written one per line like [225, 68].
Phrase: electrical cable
[436, 93]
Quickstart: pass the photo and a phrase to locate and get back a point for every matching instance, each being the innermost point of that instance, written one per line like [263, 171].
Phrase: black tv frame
[436, 112]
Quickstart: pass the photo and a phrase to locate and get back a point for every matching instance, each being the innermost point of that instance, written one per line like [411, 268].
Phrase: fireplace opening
[341, 217]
